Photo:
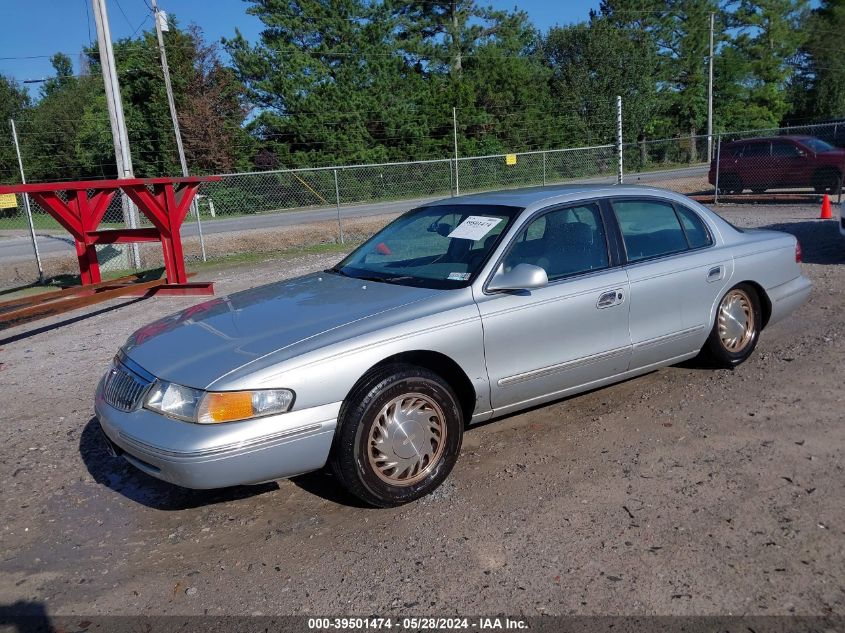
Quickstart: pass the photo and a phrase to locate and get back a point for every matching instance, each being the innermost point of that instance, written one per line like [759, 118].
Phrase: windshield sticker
[458, 276]
[474, 228]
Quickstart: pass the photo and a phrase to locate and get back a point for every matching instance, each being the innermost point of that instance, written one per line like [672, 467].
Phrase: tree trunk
[643, 150]
[456, 41]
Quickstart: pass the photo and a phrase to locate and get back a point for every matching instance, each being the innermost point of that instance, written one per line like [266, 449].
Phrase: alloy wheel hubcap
[736, 321]
[407, 439]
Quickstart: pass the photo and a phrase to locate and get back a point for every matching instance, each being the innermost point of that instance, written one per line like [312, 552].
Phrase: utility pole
[710, 93]
[115, 105]
[26, 205]
[455, 136]
[160, 17]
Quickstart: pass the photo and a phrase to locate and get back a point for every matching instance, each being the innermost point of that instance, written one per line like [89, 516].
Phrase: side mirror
[520, 277]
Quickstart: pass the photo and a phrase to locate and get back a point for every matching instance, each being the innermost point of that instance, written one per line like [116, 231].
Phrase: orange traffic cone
[826, 214]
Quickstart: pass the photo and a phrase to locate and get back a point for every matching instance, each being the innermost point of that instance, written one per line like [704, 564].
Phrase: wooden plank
[75, 291]
[31, 313]
[187, 289]
[50, 295]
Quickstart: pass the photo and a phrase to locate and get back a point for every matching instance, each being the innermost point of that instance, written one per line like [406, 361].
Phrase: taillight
[799, 255]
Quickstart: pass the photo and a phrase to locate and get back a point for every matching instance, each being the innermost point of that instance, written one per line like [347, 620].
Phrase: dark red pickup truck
[779, 162]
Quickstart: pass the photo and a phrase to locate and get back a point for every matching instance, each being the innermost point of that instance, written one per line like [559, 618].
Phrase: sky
[35, 29]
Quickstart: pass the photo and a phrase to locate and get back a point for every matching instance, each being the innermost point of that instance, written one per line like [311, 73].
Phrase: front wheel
[399, 436]
[827, 181]
[730, 183]
[736, 328]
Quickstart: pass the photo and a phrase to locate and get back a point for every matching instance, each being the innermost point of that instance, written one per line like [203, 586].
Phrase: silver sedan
[457, 312]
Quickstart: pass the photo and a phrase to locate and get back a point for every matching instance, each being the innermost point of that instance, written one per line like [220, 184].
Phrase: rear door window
[784, 148]
[650, 228]
[755, 150]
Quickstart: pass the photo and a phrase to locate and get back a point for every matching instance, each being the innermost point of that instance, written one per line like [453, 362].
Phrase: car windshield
[441, 246]
[818, 145]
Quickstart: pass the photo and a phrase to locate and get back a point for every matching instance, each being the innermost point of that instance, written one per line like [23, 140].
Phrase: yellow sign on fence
[8, 201]
[510, 159]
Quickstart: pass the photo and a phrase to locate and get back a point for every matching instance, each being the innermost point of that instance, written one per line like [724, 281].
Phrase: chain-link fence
[269, 211]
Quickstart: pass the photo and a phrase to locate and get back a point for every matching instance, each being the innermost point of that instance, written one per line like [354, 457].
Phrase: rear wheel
[827, 181]
[399, 437]
[736, 329]
[730, 183]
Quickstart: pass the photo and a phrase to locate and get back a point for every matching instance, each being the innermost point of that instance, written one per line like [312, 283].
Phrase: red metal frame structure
[165, 201]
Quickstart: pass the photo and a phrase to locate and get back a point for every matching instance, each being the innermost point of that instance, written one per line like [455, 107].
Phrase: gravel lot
[686, 491]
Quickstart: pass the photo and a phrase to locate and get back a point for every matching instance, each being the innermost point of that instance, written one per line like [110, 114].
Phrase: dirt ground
[686, 491]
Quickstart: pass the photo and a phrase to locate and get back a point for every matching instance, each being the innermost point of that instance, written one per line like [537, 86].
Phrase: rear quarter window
[697, 233]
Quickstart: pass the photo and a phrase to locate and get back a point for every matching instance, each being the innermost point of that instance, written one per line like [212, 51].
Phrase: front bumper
[220, 455]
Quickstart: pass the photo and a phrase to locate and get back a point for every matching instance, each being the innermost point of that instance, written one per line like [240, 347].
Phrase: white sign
[474, 228]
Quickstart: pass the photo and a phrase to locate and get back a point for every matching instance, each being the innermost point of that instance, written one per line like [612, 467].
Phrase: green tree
[63, 66]
[770, 36]
[324, 80]
[60, 136]
[681, 30]
[207, 96]
[592, 63]
[14, 101]
[818, 88]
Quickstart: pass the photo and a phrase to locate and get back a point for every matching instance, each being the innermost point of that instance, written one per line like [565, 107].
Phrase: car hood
[198, 345]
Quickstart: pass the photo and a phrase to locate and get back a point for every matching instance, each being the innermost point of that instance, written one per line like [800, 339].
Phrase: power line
[87, 18]
[129, 24]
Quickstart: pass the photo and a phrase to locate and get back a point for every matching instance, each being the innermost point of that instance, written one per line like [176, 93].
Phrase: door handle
[609, 299]
[714, 274]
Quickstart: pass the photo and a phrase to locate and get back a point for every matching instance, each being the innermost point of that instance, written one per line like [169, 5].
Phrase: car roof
[532, 195]
[791, 137]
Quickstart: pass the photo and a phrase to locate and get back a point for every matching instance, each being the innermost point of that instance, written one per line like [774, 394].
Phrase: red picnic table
[164, 201]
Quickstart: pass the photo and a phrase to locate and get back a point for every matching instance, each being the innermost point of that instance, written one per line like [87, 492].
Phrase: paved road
[19, 248]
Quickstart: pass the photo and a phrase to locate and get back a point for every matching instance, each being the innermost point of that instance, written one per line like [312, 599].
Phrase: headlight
[211, 407]
[174, 400]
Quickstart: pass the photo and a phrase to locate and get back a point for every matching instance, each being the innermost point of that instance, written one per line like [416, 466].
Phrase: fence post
[196, 206]
[619, 176]
[26, 207]
[337, 200]
[544, 168]
[455, 132]
[718, 160]
[451, 179]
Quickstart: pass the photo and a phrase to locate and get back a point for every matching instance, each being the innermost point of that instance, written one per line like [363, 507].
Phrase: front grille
[124, 389]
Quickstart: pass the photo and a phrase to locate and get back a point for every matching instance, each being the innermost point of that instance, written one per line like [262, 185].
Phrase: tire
[730, 183]
[827, 181]
[368, 457]
[736, 328]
